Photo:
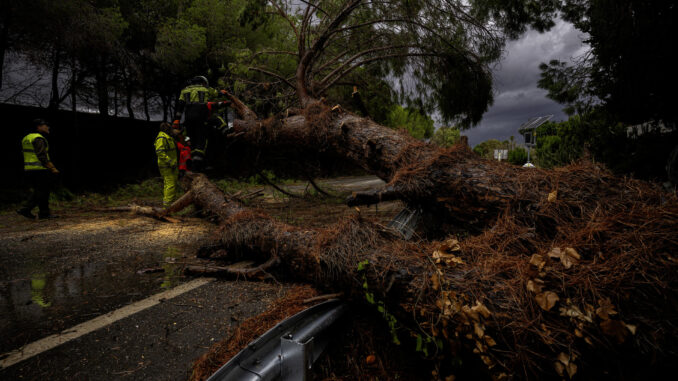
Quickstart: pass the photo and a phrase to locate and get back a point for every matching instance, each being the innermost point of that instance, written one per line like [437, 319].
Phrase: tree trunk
[54, 96]
[165, 107]
[128, 99]
[146, 112]
[74, 85]
[102, 90]
[568, 271]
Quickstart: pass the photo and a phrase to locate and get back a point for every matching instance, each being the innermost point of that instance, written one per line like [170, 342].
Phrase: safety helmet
[200, 80]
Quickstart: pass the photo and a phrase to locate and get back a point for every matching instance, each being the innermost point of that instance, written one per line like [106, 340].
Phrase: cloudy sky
[516, 96]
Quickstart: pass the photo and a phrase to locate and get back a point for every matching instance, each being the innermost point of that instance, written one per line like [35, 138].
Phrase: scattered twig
[323, 297]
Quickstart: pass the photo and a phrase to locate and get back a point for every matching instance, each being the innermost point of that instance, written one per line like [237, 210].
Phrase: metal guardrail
[287, 351]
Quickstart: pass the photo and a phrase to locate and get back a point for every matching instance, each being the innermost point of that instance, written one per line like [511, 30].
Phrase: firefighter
[199, 106]
[166, 149]
[39, 170]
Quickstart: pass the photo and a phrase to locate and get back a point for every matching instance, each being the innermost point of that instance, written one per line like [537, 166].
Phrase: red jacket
[184, 155]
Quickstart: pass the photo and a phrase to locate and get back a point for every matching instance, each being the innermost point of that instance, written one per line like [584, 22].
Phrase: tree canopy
[629, 69]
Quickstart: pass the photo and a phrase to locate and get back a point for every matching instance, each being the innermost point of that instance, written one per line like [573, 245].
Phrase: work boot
[26, 213]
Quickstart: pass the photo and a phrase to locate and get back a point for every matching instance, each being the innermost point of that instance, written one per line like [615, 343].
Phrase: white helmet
[202, 80]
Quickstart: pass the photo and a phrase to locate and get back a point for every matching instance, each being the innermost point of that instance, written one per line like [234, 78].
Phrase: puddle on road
[47, 303]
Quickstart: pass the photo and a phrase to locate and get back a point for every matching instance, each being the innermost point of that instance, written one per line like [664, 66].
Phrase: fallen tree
[572, 271]
[532, 273]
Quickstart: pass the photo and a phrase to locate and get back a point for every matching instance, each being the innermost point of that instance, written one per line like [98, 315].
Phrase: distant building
[529, 132]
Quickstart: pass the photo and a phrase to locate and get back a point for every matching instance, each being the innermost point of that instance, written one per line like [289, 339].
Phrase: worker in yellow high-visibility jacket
[39, 170]
[166, 149]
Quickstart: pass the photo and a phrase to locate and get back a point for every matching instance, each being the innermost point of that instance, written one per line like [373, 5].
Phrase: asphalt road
[61, 280]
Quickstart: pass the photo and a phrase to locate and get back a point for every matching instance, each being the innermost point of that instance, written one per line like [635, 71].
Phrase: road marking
[49, 342]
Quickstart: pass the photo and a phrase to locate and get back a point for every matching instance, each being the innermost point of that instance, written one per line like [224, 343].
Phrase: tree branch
[272, 74]
[282, 14]
[306, 61]
[358, 55]
[366, 61]
[240, 107]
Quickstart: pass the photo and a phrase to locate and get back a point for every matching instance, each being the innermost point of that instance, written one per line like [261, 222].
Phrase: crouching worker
[166, 149]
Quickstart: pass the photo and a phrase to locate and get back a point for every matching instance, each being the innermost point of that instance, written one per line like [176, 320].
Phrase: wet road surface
[60, 273]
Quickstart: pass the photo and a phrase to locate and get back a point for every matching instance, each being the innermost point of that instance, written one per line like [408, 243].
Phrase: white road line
[49, 342]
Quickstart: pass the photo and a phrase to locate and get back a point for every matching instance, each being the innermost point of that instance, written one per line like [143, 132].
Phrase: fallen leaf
[606, 309]
[450, 244]
[571, 369]
[555, 253]
[370, 359]
[452, 259]
[439, 256]
[546, 300]
[567, 257]
[572, 253]
[480, 348]
[615, 329]
[632, 328]
[490, 341]
[488, 361]
[533, 286]
[563, 358]
[481, 309]
[450, 378]
[453, 244]
[537, 261]
[552, 196]
[566, 363]
[479, 330]
[574, 312]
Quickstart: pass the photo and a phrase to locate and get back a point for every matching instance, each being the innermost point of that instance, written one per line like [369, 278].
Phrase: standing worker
[38, 169]
[192, 103]
[197, 103]
[166, 149]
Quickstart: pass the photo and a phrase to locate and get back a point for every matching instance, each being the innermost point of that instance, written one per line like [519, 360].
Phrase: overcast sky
[516, 95]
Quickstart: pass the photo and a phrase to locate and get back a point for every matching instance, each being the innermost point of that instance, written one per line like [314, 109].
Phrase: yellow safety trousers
[171, 192]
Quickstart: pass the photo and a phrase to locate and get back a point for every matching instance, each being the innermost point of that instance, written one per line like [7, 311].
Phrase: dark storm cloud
[517, 97]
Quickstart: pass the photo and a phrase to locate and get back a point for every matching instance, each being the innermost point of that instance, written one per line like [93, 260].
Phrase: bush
[517, 156]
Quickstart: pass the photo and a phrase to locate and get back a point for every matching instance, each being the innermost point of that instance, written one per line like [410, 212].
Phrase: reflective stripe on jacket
[166, 149]
[31, 161]
[196, 94]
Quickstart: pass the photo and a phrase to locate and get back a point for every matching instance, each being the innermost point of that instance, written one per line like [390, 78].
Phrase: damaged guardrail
[287, 351]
